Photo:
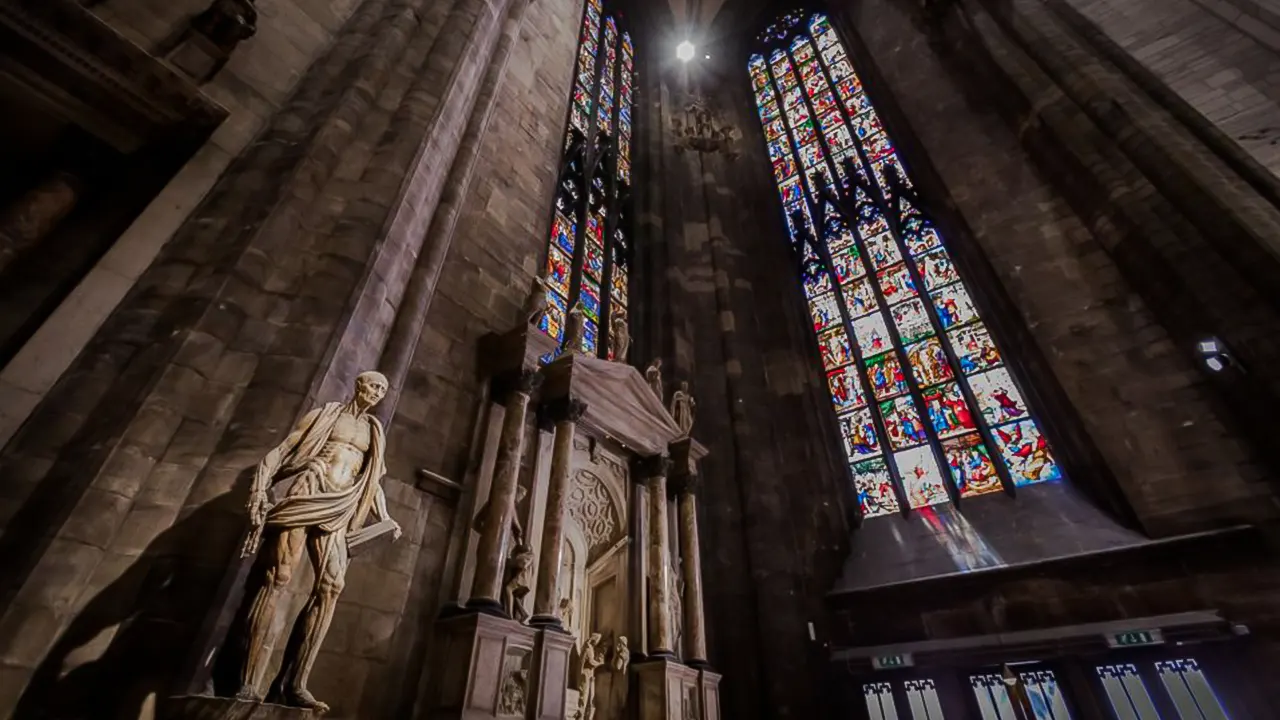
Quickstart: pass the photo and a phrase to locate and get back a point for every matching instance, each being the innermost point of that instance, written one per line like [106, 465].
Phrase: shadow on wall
[121, 653]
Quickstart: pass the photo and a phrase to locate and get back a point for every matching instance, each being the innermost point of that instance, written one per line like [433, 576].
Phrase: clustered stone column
[695, 632]
[491, 553]
[565, 413]
[659, 544]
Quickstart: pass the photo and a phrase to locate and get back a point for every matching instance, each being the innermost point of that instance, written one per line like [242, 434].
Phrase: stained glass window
[589, 248]
[927, 409]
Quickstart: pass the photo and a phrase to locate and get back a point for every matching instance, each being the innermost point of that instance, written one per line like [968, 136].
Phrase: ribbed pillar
[695, 631]
[491, 553]
[659, 549]
[566, 413]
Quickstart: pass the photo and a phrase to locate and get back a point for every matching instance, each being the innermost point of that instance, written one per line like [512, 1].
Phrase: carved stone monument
[315, 491]
[614, 546]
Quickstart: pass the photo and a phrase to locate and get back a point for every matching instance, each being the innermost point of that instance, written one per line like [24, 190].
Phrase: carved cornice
[103, 82]
[688, 484]
[506, 384]
[647, 468]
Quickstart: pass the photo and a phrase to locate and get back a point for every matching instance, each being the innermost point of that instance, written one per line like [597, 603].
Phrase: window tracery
[927, 409]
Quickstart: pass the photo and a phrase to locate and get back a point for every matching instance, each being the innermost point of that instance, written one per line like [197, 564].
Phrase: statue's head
[595, 639]
[621, 644]
[684, 386]
[371, 387]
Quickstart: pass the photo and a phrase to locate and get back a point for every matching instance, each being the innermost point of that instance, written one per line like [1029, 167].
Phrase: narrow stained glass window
[927, 409]
[589, 249]
[1190, 691]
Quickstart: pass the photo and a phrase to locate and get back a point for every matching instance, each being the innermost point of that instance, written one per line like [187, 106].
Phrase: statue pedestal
[487, 667]
[207, 707]
[670, 691]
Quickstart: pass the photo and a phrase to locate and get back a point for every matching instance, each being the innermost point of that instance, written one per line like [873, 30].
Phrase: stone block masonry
[283, 282]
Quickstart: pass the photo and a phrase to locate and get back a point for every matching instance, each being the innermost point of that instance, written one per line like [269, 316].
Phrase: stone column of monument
[565, 413]
[495, 517]
[659, 547]
[695, 631]
[30, 218]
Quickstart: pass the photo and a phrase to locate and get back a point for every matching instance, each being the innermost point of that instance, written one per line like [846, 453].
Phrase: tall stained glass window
[926, 407]
[589, 250]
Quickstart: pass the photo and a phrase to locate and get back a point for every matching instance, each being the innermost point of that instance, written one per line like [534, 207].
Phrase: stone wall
[1221, 56]
[124, 490]
[255, 84]
[715, 299]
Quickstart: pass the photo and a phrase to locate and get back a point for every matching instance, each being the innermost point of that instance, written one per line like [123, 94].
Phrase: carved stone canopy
[620, 404]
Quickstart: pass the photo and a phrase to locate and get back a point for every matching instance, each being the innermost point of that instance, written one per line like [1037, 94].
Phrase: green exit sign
[889, 662]
[1134, 638]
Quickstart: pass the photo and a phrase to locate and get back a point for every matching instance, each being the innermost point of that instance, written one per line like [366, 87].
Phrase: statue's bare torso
[344, 452]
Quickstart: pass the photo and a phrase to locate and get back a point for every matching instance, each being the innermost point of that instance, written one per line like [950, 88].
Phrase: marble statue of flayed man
[315, 491]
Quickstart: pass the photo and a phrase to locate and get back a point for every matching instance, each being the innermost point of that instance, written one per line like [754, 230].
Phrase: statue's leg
[329, 555]
[284, 549]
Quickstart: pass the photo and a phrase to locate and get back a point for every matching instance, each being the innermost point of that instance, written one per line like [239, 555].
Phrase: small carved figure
[676, 592]
[517, 529]
[328, 473]
[621, 655]
[566, 613]
[683, 407]
[574, 327]
[535, 306]
[619, 336]
[227, 23]
[653, 376]
[517, 581]
[512, 699]
[592, 659]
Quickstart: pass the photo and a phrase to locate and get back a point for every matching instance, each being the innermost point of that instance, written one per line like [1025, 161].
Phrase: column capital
[564, 408]
[651, 467]
[686, 484]
[525, 382]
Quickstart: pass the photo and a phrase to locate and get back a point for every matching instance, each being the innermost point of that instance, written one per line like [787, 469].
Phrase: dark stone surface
[205, 707]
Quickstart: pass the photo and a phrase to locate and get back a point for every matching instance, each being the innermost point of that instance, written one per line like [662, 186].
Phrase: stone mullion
[589, 161]
[899, 348]
[817, 207]
[944, 339]
[613, 211]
